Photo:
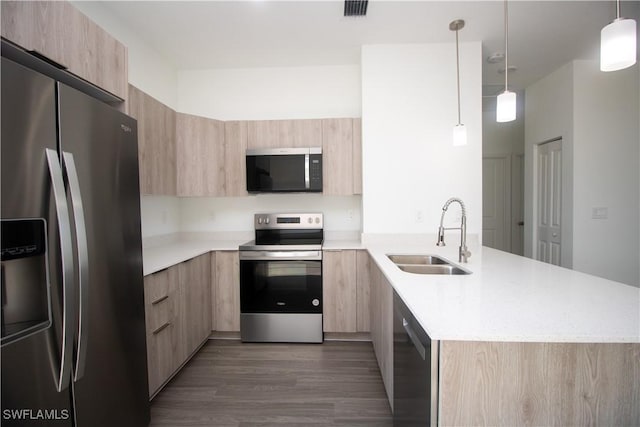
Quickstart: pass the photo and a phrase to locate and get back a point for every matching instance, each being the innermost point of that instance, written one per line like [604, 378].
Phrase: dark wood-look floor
[229, 383]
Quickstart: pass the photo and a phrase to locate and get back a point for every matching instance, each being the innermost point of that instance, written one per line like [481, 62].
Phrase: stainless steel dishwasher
[415, 370]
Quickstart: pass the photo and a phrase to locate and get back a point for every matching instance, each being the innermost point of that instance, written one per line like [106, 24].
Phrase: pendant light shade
[618, 45]
[459, 135]
[506, 107]
[459, 130]
[506, 102]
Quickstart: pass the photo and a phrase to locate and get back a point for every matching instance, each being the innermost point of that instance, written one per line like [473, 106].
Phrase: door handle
[83, 262]
[307, 180]
[66, 254]
[414, 339]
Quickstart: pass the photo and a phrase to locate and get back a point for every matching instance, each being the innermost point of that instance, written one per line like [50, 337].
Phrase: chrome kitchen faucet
[463, 252]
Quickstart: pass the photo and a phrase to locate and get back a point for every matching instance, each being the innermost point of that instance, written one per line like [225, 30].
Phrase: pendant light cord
[458, 74]
[506, 47]
[618, 9]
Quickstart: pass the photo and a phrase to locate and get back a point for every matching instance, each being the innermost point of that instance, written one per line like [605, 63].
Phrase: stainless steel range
[281, 279]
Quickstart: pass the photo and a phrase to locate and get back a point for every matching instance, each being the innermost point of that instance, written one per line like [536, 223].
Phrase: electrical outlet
[419, 216]
[350, 215]
[212, 216]
[163, 217]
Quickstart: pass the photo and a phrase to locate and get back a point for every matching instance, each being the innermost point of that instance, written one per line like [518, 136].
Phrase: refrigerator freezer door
[103, 142]
[30, 366]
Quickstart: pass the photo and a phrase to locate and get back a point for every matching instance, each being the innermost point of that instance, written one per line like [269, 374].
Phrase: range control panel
[288, 221]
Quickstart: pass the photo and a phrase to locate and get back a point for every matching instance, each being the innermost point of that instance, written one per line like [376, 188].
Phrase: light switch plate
[600, 213]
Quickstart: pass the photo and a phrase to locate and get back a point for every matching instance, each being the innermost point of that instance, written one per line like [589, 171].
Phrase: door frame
[565, 242]
[508, 214]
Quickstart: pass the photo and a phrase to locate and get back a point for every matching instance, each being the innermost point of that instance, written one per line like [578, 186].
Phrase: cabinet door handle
[159, 300]
[161, 328]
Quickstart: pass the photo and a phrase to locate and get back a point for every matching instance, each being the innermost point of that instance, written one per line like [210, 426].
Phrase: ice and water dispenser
[25, 281]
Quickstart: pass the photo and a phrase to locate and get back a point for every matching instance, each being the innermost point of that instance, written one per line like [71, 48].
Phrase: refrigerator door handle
[66, 252]
[83, 262]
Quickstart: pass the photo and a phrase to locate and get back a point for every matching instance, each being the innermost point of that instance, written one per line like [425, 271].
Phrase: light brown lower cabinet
[363, 291]
[177, 314]
[339, 306]
[195, 278]
[381, 322]
[535, 383]
[226, 288]
[165, 349]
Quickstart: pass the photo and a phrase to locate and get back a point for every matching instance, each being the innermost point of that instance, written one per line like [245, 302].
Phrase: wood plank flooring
[229, 383]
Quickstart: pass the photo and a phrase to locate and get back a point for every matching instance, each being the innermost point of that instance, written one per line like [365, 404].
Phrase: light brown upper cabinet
[337, 157]
[60, 32]
[235, 166]
[156, 143]
[200, 156]
[284, 133]
[357, 156]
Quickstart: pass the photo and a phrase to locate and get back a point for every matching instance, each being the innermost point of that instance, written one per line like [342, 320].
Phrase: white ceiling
[543, 35]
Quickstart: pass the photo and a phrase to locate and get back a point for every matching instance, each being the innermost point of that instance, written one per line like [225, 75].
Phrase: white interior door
[517, 204]
[496, 202]
[549, 201]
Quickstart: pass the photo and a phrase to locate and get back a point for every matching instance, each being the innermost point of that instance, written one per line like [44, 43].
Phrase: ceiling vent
[355, 7]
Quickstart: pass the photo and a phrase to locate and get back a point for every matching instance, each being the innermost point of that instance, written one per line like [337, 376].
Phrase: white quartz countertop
[512, 298]
[171, 250]
[505, 298]
[179, 248]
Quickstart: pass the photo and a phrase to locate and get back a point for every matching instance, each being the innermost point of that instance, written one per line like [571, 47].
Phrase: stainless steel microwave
[275, 170]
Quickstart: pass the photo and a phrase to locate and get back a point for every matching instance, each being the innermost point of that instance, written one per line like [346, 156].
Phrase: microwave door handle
[83, 263]
[66, 255]
[307, 183]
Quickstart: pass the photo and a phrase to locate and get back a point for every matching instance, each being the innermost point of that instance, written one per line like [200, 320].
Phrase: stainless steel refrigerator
[73, 333]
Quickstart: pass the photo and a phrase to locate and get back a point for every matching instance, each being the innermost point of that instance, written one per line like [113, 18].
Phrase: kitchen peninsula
[519, 341]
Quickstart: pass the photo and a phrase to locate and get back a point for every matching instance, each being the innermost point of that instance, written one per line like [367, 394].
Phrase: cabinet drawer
[161, 299]
[162, 357]
[163, 312]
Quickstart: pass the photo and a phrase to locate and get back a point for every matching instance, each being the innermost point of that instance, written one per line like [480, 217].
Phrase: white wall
[596, 114]
[409, 108]
[148, 70]
[341, 213]
[548, 115]
[271, 93]
[160, 215]
[606, 172]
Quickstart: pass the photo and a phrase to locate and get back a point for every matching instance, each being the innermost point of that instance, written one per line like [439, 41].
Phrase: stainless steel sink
[426, 264]
[432, 269]
[417, 259]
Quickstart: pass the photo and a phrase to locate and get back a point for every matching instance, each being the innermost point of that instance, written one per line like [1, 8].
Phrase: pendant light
[618, 43]
[459, 130]
[506, 102]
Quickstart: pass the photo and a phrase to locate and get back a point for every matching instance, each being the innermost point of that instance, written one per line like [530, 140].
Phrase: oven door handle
[281, 255]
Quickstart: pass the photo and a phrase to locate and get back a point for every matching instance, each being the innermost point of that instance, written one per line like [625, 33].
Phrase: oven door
[281, 281]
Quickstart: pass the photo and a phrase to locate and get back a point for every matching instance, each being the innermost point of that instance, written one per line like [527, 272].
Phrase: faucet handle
[440, 236]
[464, 254]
